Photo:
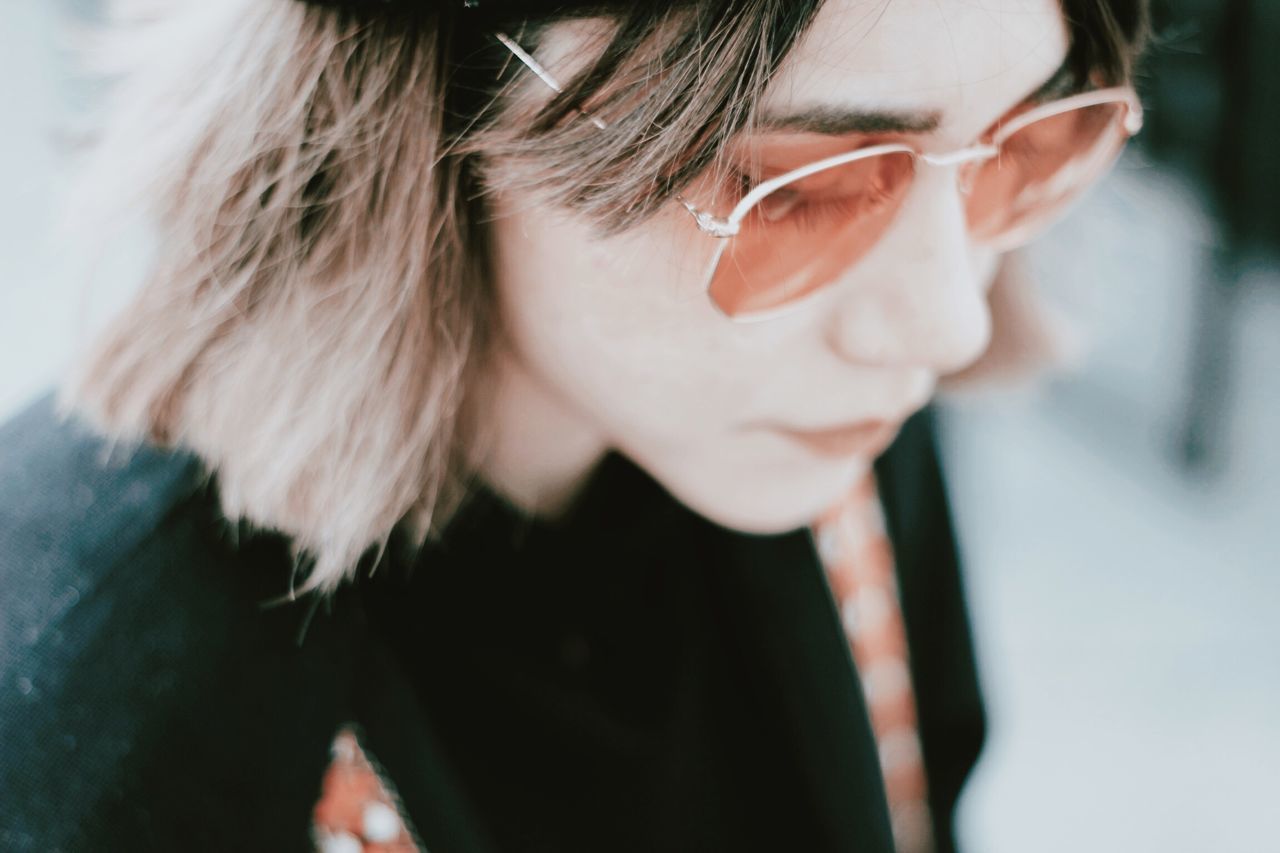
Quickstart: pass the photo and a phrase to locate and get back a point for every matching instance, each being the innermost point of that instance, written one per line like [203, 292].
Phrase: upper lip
[861, 438]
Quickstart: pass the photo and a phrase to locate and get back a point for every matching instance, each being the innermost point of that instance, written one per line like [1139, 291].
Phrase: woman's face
[614, 344]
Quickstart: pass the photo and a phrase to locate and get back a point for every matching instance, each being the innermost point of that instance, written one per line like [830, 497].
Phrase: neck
[534, 449]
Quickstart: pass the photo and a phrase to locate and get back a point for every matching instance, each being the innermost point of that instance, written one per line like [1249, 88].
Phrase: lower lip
[865, 439]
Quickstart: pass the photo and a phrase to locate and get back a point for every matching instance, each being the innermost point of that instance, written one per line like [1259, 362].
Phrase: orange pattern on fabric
[357, 812]
[858, 559]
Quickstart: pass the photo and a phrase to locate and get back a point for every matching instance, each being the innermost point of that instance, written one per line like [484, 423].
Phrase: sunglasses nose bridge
[968, 159]
[972, 154]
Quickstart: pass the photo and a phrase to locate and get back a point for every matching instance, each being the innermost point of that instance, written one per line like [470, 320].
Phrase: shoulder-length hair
[320, 305]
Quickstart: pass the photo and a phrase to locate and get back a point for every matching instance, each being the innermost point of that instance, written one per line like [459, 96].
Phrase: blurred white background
[1125, 607]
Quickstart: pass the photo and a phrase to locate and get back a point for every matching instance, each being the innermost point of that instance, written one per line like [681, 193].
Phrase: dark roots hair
[320, 300]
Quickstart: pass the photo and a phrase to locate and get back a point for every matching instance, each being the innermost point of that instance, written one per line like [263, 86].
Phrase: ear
[1030, 338]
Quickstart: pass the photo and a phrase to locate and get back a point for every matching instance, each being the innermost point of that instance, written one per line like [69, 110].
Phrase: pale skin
[612, 343]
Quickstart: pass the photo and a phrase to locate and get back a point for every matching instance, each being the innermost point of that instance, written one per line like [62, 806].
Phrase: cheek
[618, 328]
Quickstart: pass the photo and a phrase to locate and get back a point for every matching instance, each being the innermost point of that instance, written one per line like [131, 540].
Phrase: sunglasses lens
[1040, 170]
[806, 234]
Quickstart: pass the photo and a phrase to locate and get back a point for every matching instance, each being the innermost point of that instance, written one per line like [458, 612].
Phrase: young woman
[507, 384]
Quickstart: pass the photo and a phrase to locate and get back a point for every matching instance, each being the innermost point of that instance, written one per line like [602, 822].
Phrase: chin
[760, 499]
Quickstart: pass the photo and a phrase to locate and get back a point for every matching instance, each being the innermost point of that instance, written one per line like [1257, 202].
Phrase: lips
[865, 438]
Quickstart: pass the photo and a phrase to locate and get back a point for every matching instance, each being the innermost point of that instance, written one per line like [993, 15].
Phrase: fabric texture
[635, 678]
[359, 811]
[858, 557]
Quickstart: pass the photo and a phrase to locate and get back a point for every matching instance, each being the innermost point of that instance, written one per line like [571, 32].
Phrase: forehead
[968, 61]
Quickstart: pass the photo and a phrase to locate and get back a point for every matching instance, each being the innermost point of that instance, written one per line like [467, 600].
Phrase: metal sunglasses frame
[728, 226]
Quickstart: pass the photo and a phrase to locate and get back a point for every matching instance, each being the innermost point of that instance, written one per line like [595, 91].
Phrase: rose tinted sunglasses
[792, 235]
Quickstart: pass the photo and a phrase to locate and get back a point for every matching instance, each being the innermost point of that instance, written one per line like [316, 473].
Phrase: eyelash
[1021, 151]
[811, 215]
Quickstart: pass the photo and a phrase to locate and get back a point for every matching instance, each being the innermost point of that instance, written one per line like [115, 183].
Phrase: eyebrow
[838, 121]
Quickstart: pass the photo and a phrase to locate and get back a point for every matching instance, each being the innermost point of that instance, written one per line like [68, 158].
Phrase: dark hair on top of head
[321, 305]
[668, 118]
[668, 137]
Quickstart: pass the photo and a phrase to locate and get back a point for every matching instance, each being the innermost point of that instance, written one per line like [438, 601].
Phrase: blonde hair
[320, 309]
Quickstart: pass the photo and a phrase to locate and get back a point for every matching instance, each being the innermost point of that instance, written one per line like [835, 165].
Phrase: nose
[917, 300]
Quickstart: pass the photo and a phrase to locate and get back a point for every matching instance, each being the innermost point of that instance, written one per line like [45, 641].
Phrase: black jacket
[635, 678]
